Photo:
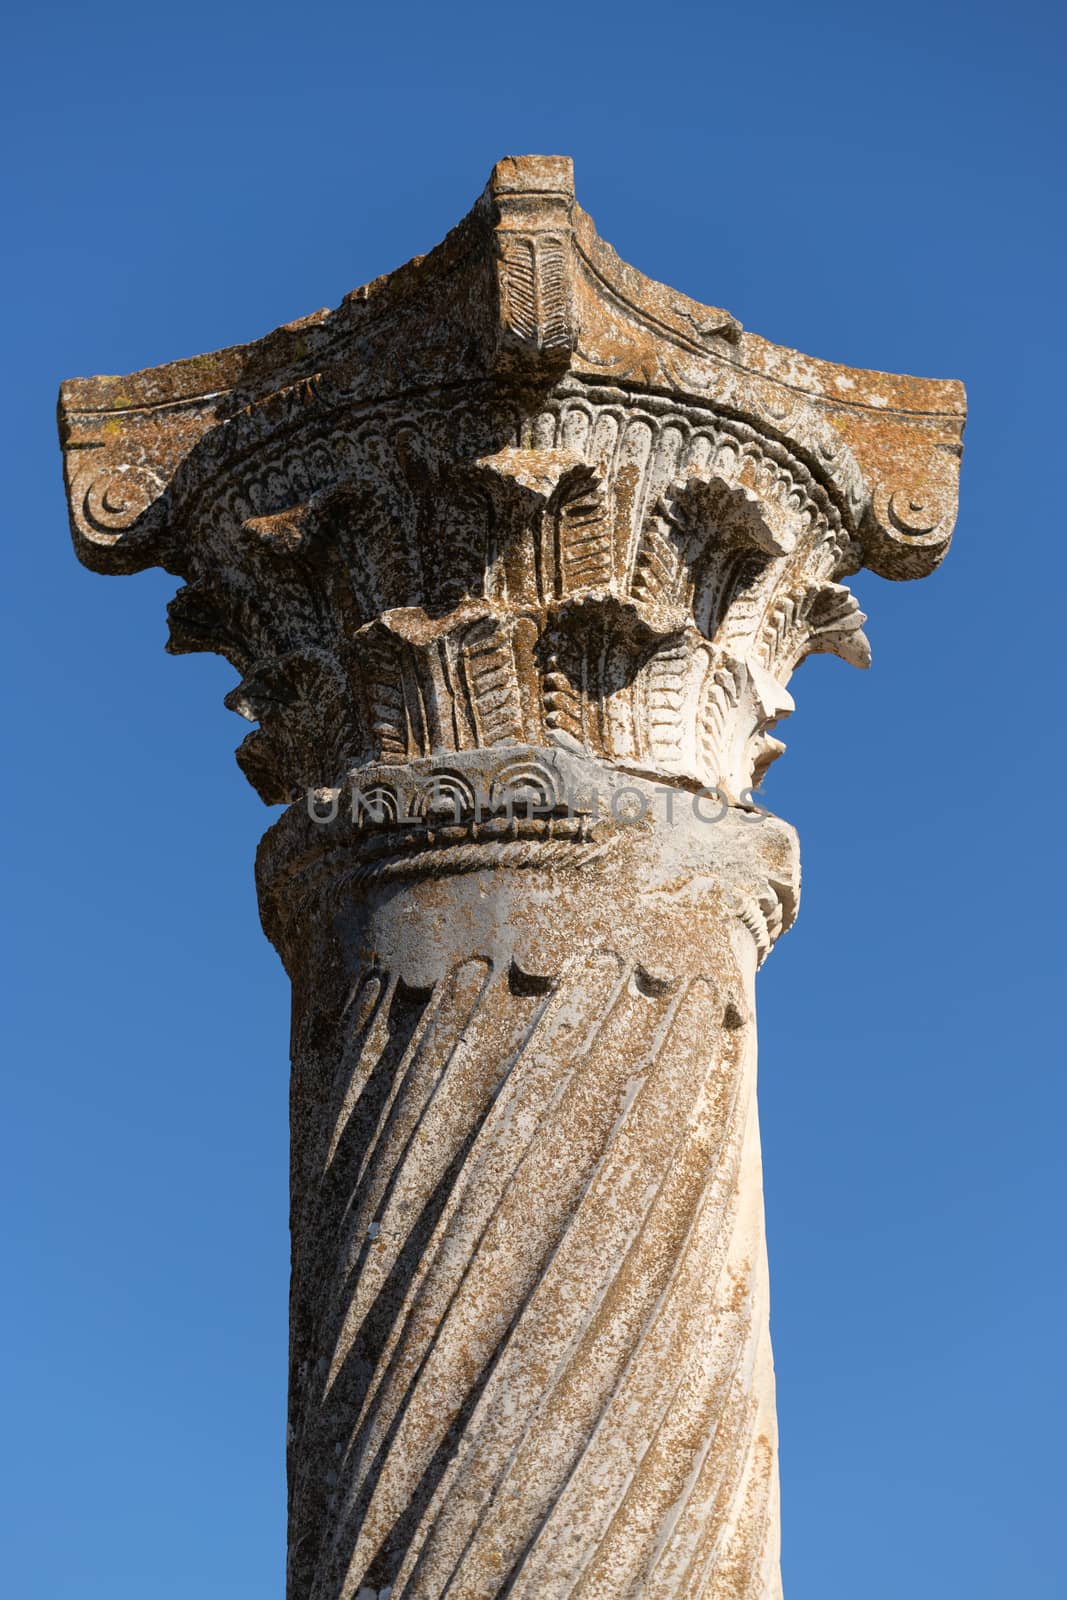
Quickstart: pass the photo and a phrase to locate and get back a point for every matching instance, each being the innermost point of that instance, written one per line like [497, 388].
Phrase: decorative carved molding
[524, 807]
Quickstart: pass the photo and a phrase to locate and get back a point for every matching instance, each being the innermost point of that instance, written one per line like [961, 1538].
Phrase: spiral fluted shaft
[530, 1323]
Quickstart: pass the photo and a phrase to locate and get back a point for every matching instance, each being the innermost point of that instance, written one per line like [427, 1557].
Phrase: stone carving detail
[515, 553]
[113, 501]
[583, 581]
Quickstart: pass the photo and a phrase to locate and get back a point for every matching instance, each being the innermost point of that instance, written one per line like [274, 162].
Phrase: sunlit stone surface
[516, 552]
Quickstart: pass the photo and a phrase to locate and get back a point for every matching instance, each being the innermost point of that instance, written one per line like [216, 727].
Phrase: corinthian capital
[513, 493]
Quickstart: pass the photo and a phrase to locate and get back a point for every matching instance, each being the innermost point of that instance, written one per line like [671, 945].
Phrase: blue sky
[880, 186]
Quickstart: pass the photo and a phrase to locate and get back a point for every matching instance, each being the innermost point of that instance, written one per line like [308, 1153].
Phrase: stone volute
[515, 553]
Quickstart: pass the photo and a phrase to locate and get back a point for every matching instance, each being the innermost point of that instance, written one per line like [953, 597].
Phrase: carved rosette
[511, 528]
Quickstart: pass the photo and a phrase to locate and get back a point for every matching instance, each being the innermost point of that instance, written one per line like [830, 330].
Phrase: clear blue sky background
[876, 185]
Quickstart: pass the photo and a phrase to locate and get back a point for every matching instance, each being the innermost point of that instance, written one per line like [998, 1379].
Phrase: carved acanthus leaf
[595, 580]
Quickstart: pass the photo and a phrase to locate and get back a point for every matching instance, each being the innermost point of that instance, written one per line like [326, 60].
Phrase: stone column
[516, 552]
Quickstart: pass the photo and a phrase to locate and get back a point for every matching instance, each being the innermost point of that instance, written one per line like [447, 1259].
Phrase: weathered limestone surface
[516, 552]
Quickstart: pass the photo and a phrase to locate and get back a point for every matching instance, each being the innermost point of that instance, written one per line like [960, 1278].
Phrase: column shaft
[530, 1349]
